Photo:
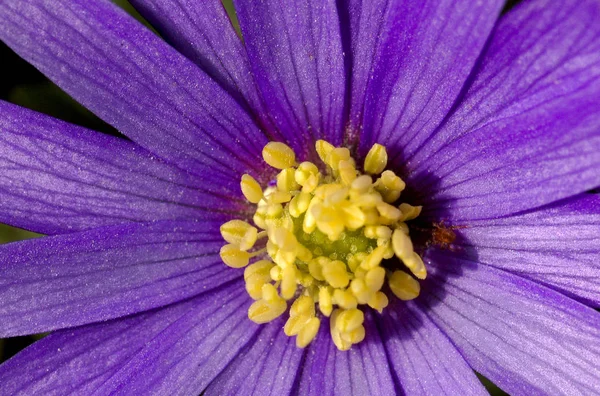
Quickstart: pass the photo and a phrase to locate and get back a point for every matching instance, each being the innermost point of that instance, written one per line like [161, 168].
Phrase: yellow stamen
[344, 298]
[404, 286]
[390, 186]
[329, 234]
[323, 149]
[251, 189]
[378, 302]
[416, 266]
[376, 160]
[409, 212]
[336, 155]
[374, 279]
[349, 320]
[347, 172]
[286, 180]
[270, 307]
[234, 257]
[335, 274]
[238, 232]
[307, 175]
[288, 282]
[308, 332]
[278, 197]
[402, 244]
[279, 155]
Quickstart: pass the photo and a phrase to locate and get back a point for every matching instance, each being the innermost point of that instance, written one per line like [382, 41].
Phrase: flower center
[327, 232]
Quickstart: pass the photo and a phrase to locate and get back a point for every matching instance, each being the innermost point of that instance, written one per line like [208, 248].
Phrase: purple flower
[492, 121]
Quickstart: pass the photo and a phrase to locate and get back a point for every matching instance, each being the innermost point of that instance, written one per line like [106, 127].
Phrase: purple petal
[296, 55]
[178, 349]
[557, 245]
[133, 80]
[527, 132]
[192, 352]
[267, 366]
[524, 337]
[61, 178]
[423, 358]
[203, 32]
[363, 370]
[427, 52]
[363, 21]
[79, 278]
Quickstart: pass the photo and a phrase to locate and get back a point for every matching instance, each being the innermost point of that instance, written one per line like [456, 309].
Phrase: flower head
[327, 235]
[404, 182]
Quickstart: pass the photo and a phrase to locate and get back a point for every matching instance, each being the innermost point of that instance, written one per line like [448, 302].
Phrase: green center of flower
[327, 233]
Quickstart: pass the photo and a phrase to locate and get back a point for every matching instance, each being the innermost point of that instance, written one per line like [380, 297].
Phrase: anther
[347, 172]
[404, 286]
[323, 149]
[345, 299]
[389, 213]
[376, 160]
[374, 279]
[288, 282]
[325, 301]
[360, 290]
[335, 274]
[402, 244]
[251, 189]
[353, 217]
[234, 257]
[279, 197]
[336, 155]
[415, 264]
[262, 311]
[361, 184]
[299, 204]
[238, 232]
[409, 212]
[279, 155]
[308, 332]
[374, 259]
[390, 186]
[378, 301]
[286, 180]
[349, 320]
[307, 175]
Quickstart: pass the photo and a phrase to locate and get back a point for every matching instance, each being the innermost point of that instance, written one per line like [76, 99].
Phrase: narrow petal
[176, 350]
[428, 50]
[362, 25]
[422, 357]
[363, 370]
[527, 131]
[133, 80]
[296, 55]
[524, 337]
[202, 31]
[79, 278]
[558, 246]
[267, 366]
[60, 178]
